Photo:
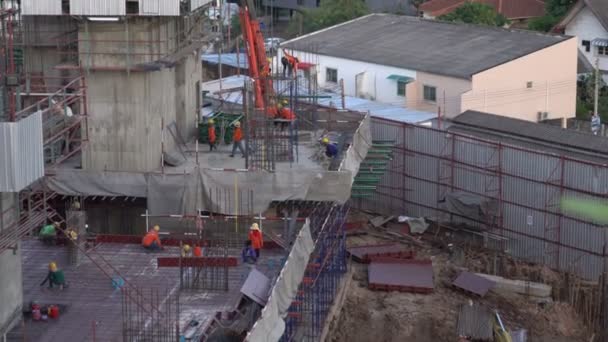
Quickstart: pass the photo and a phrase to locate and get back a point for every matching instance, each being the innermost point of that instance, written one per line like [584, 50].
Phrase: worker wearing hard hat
[257, 241]
[186, 251]
[48, 233]
[54, 277]
[237, 140]
[331, 150]
[151, 240]
[211, 134]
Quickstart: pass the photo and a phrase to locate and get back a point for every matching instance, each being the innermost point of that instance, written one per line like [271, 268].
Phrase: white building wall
[585, 26]
[372, 84]
[41, 7]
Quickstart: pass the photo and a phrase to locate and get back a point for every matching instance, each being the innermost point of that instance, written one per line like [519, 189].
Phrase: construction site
[373, 229]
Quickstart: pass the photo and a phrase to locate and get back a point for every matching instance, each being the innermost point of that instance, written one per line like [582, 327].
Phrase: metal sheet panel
[159, 7]
[196, 4]
[98, 7]
[21, 153]
[41, 7]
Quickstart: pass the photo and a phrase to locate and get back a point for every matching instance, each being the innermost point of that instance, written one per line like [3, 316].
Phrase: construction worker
[331, 150]
[198, 251]
[237, 140]
[151, 241]
[286, 114]
[48, 233]
[248, 253]
[292, 62]
[257, 241]
[54, 277]
[186, 251]
[211, 134]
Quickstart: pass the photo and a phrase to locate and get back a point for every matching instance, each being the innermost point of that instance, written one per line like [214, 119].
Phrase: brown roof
[512, 9]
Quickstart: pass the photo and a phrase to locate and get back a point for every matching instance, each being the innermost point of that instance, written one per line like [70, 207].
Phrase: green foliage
[586, 94]
[329, 13]
[475, 13]
[554, 12]
[543, 24]
[558, 8]
[235, 26]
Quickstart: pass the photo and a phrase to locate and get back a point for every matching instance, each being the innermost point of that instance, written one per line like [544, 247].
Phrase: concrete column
[76, 221]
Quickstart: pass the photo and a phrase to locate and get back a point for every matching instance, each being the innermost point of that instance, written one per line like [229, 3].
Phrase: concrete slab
[416, 276]
[256, 287]
[473, 283]
[93, 306]
[365, 253]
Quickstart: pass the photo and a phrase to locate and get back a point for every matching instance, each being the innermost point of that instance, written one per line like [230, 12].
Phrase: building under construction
[101, 105]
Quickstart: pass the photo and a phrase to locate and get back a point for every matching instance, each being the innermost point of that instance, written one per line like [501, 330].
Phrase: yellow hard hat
[237, 124]
[255, 227]
[186, 248]
[156, 228]
[211, 121]
[285, 102]
[52, 266]
[325, 140]
[280, 106]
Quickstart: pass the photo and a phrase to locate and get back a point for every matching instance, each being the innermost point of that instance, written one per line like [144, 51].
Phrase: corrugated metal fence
[528, 185]
[21, 154]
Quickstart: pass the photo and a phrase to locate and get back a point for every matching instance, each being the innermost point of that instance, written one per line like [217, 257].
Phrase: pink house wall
[544, 81]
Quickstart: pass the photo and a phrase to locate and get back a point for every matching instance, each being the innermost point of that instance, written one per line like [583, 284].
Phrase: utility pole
[597, 85]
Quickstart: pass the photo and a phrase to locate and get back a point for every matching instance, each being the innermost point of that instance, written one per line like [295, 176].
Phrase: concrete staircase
[372, 168]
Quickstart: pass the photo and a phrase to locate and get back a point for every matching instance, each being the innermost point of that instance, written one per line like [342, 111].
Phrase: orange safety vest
[212, 134]
[149, 238]
[238, 134]
[287, 114]
[257, 241]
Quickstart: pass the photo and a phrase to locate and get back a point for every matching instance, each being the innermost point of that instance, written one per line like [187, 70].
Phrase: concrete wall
[125, 116]
[585, 26]
[449, 91]
[11, 292]
[505, 89]
[187, 74]
[127, 43]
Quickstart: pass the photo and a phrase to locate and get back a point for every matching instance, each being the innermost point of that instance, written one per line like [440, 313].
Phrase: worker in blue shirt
[331, 150]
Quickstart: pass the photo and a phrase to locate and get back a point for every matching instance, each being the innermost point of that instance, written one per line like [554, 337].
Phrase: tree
[329, 13]
[586, 98]
[555, 10]
[475, 13]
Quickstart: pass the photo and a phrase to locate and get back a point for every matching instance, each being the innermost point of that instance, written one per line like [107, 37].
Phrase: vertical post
[147, 221]
[238, 57]
[128, 47]
[597, 86]
[439, 117]
[162, 145]
[342, 93]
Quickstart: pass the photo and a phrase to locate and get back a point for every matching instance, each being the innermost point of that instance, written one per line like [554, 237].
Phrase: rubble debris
[379, 221]
[405, 276]
[364, 253]
[475, 322]
[417, 225]
[473, 283]
[522, 287]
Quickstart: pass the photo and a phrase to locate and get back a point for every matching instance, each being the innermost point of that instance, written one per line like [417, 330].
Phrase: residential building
[588, 21]
[439, 66]
[514, 10]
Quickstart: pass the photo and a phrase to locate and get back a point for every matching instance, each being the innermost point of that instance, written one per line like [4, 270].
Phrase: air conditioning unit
[542, 116]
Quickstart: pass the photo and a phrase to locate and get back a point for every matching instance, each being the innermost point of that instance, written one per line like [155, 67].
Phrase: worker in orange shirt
[211, 134]
[237, 140]
[257, 241]
[151, 240]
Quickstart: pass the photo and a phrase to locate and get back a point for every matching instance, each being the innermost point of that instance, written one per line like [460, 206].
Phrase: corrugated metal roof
[376, 109]
[196, 4]
[41, 7]
[443, 48]
[98, 7]
[545, 137]
[228, 59]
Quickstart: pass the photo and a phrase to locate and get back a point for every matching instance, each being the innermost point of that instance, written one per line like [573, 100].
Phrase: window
[587, 45]
[331, 75]
[401, 88]
[430, 93]
[529, 84]
[602, 50]
[300, 2]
